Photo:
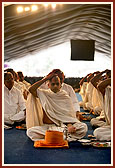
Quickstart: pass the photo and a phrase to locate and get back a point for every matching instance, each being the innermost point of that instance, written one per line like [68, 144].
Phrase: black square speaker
[82, 50]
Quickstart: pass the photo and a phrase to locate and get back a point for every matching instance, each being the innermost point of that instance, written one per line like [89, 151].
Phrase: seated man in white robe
[104, 132]
[83, 85]
[87, 101]
[23, 82]
[58, 111]
[97, 98]
[21, 79]
[68, 88]
[100, 87]
[14, 104]
[19, 85]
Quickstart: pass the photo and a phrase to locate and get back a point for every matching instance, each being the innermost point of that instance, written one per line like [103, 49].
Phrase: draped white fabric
[34, 112]
[14, 105]
[108, 105]
[104, 132]
[58, 106]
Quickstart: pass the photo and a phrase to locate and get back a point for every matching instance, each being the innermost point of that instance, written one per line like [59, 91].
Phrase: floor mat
[19, 149]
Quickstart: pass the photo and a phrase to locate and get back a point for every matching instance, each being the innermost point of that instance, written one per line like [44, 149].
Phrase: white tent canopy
[36, 43]
[43, 62]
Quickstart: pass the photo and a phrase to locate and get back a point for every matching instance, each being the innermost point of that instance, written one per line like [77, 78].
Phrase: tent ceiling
[28, 33]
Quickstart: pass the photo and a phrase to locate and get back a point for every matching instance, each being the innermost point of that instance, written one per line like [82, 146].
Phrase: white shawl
[58, 107]
[108, 105]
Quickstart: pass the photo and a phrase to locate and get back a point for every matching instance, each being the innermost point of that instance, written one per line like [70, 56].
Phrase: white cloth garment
[82, 93]
[83, 90]
[59, 108]
[34, 112]
[104, 132]
[27, 84]
[108, 105]
[18, 117]
[20, 86]
[97, 101]
[13, 104]
[38, 132]
[72, 94]
[105, 108]
[88, 97]
[97, 122]
[69, 91]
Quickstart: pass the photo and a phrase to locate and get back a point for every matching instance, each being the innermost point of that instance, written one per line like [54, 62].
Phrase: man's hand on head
[49, 76]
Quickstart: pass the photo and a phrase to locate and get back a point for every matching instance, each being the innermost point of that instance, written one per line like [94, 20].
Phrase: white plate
[84, 140]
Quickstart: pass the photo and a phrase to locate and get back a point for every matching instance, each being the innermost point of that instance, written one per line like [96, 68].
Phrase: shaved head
[55, 84]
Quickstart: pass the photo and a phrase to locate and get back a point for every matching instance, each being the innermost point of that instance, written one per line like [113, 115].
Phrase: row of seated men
[95, 90]
[49, 104]
[15, 96]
